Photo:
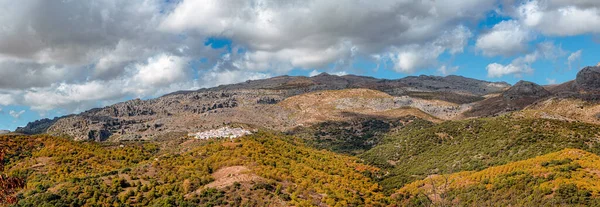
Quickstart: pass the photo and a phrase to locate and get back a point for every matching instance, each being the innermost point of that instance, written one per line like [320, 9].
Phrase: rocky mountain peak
[526, 89]
[323, 74]
[589, 78]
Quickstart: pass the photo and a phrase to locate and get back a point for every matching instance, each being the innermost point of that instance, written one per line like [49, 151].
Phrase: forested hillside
[565, 178]
[262, 169]
[412, 162]
[424, 148]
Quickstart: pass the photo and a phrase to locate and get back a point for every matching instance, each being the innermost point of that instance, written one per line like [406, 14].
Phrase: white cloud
[162, 70]
[522, 65]
[560, 17]
[447, 70]
[496, 70]
[73, 55]
[574, 59]
[408, 59]
[75, 97]
[551, 81]
[7, 99]
[305, 34]
[505, 38]
[222, 77]
[15, 114]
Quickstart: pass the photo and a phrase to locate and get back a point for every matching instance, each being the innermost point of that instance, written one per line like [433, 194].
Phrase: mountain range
[325, 140]
[259, 103]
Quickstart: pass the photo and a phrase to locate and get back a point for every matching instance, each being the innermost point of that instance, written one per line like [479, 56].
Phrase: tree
[8, 185]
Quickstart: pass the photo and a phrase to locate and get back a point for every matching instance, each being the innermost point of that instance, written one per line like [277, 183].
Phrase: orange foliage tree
[8, 185]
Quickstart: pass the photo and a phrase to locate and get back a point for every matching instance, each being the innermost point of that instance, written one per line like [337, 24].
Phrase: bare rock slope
[256, 103]
[515, 98]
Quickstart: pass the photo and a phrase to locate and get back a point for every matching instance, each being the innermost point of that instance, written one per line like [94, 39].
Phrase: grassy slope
[423, 148]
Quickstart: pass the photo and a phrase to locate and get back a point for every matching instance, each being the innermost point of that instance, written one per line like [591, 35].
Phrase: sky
[59, 57]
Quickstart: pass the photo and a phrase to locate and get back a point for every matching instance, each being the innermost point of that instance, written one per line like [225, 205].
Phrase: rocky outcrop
[457, 84]
[526, 90]
[37, 127]
[588, 79]
[515, 98]
[4, 131]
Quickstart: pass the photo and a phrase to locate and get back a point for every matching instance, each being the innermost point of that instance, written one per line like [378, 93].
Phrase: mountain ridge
[235, 103]
[255, 103]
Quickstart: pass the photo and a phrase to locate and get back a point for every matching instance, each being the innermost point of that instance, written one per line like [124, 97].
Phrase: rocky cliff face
[4, 131]
[588, 79]
[37, 127]
[251, 102]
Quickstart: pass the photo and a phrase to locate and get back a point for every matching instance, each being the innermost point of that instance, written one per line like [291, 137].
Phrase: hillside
[423, 148]
[258, 170]
[514, 98]
[251, 102]
[323, 106]
[569, 177]
[564, 109]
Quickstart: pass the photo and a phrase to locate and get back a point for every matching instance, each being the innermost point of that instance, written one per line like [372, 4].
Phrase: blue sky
[76, 55]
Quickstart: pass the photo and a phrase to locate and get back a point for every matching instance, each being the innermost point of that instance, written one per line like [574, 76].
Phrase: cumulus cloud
[77, 54]
[409, 58]
[157, 75]
[162, 70]
[71, 32]
[574, 59]
[496, 70]
[305, 34]
[15, 114]
[447, 70]
[74, 55]
[7, 99]
[227, 72]
[522, 65]
[505, 38]
[560, 17]
[222, 77]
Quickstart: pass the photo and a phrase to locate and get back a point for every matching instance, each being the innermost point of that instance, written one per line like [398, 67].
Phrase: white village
[224, 132]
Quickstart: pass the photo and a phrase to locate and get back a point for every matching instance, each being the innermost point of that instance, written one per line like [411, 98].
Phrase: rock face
[588, 79]
[525, 89]
[37, 127]
[255, 103]
[4, 131]
[515, 98]
[453, 83]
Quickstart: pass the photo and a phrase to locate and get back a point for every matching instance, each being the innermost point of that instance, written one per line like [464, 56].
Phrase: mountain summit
[589, 78]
